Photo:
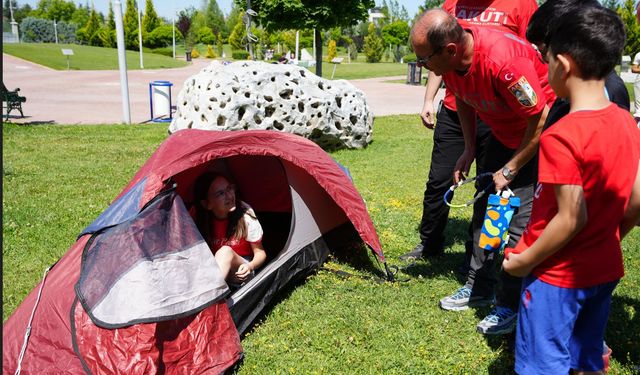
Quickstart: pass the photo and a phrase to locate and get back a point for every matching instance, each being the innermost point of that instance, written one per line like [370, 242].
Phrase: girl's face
[221, 198]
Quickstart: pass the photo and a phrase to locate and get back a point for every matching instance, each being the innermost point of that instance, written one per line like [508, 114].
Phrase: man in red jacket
[501, 79]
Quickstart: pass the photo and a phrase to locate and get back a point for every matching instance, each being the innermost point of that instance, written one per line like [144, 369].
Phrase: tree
[333, 50]
[396, 34]
[184, 24]
[627, 12]
[150, 21]
[90, 29]
[111, 18]
[219, 44]
[307, 15]
[80, 16]
[238, 33]
[55, 10]
[214, 16]
[430, 4]
[373, 45]
[611, 4]
[231, 21]
[130, 23]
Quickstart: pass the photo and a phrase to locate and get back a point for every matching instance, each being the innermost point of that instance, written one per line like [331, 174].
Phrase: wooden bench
[12, 100]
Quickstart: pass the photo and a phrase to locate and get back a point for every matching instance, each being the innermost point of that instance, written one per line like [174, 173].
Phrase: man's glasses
[425, 61]
[221, 193]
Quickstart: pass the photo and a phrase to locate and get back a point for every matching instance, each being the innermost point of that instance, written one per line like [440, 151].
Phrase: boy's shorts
[561, 328]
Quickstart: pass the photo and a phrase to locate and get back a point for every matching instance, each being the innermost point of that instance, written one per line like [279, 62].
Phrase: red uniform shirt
[505, 84]
[598, 150]
[240, 246]
[510, 16]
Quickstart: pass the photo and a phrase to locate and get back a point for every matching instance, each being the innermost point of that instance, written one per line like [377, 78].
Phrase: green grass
[86, 57]
[629, 87]
[359, 70]
[57, 179]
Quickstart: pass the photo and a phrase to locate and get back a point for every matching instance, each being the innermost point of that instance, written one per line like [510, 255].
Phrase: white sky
[167, 8]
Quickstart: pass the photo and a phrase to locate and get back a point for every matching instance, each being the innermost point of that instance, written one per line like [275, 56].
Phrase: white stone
[257, 95]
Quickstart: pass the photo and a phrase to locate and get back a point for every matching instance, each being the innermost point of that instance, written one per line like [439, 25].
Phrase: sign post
[67, 52]
[335, 61]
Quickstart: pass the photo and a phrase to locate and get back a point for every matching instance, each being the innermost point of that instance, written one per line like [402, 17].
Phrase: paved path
[94, 97]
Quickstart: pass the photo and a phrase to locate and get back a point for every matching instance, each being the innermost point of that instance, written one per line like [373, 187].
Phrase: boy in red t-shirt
[587, 199]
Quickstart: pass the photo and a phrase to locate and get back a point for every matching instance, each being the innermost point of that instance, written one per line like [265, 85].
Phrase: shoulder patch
[523, 91]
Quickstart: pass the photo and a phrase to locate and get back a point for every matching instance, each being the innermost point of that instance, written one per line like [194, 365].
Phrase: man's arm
[568, 221]
[632, 214]
[467, 117]
[526, 150]
[428, 113]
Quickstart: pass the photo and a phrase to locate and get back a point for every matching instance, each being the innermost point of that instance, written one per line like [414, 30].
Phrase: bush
[353, 51]
[165, 51]
[210, 53]
[373, 45]
[195, 53]
[162, 36]
[66, 32]
[409, 58]
[204, 35]
[37, 30]
[333, 51]
[240, 55]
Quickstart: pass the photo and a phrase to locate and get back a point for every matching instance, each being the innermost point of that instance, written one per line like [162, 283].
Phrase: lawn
[57, 179]
[86, 57]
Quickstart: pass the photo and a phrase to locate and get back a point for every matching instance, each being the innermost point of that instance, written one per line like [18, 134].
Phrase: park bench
[12, 100]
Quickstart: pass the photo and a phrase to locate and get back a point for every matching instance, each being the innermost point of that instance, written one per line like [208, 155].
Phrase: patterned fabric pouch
[495, 228]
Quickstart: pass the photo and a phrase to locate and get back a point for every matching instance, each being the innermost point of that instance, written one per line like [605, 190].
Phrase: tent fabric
[204, 343]
[302, 198]
[157, 264]
[189, 147]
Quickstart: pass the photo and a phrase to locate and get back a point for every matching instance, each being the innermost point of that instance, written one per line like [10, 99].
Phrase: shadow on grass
[29, 123]
[456, 232]
[623, 330]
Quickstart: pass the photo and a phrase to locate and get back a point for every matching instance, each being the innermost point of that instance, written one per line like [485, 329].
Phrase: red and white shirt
[241, 246]
[598, 150]
[511, 16]
[505, 84]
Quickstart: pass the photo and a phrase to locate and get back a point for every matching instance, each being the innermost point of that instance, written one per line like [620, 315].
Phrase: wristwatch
[507, 174]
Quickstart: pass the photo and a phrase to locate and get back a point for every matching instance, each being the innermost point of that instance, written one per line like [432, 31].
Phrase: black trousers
[482, 275]
[448, 145]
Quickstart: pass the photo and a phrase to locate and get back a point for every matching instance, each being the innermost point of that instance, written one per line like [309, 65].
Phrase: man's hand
[243, 272]
[516, 265]
[428, 114]
[463, 165]
[500, 181]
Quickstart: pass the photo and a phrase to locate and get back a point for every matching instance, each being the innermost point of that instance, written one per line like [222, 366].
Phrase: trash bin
[414, 74]
[160, 101]
[188, 53]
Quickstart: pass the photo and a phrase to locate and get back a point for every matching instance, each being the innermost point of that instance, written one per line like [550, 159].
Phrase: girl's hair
[237, 228]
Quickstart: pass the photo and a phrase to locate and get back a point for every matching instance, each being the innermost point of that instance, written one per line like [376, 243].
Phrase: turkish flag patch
[523, 91]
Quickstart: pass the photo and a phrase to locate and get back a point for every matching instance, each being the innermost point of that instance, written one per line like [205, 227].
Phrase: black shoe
[419, 252]
[414, 254]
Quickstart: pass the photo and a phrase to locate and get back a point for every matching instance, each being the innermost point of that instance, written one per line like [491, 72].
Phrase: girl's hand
[243, 272]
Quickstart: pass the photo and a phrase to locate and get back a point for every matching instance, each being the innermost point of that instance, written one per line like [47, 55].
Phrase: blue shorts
[561, 328]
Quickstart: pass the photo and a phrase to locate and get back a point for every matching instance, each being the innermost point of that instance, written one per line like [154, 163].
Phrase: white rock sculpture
[257, 95]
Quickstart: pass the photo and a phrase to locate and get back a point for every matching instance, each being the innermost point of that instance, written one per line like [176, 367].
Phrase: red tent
[136, 293]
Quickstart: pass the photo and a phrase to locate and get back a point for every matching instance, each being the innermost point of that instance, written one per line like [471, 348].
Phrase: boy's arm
[568, 221]
[632, 214]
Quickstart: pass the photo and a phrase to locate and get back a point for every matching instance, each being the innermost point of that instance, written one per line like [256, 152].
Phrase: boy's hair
[547, 15]
[593, 36]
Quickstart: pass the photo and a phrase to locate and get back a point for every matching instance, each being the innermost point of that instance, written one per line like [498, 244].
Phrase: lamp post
[140, 38]
[14, 24]
[122, 63]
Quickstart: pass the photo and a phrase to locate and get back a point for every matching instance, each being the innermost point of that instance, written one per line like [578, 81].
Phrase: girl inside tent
[229, 226]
